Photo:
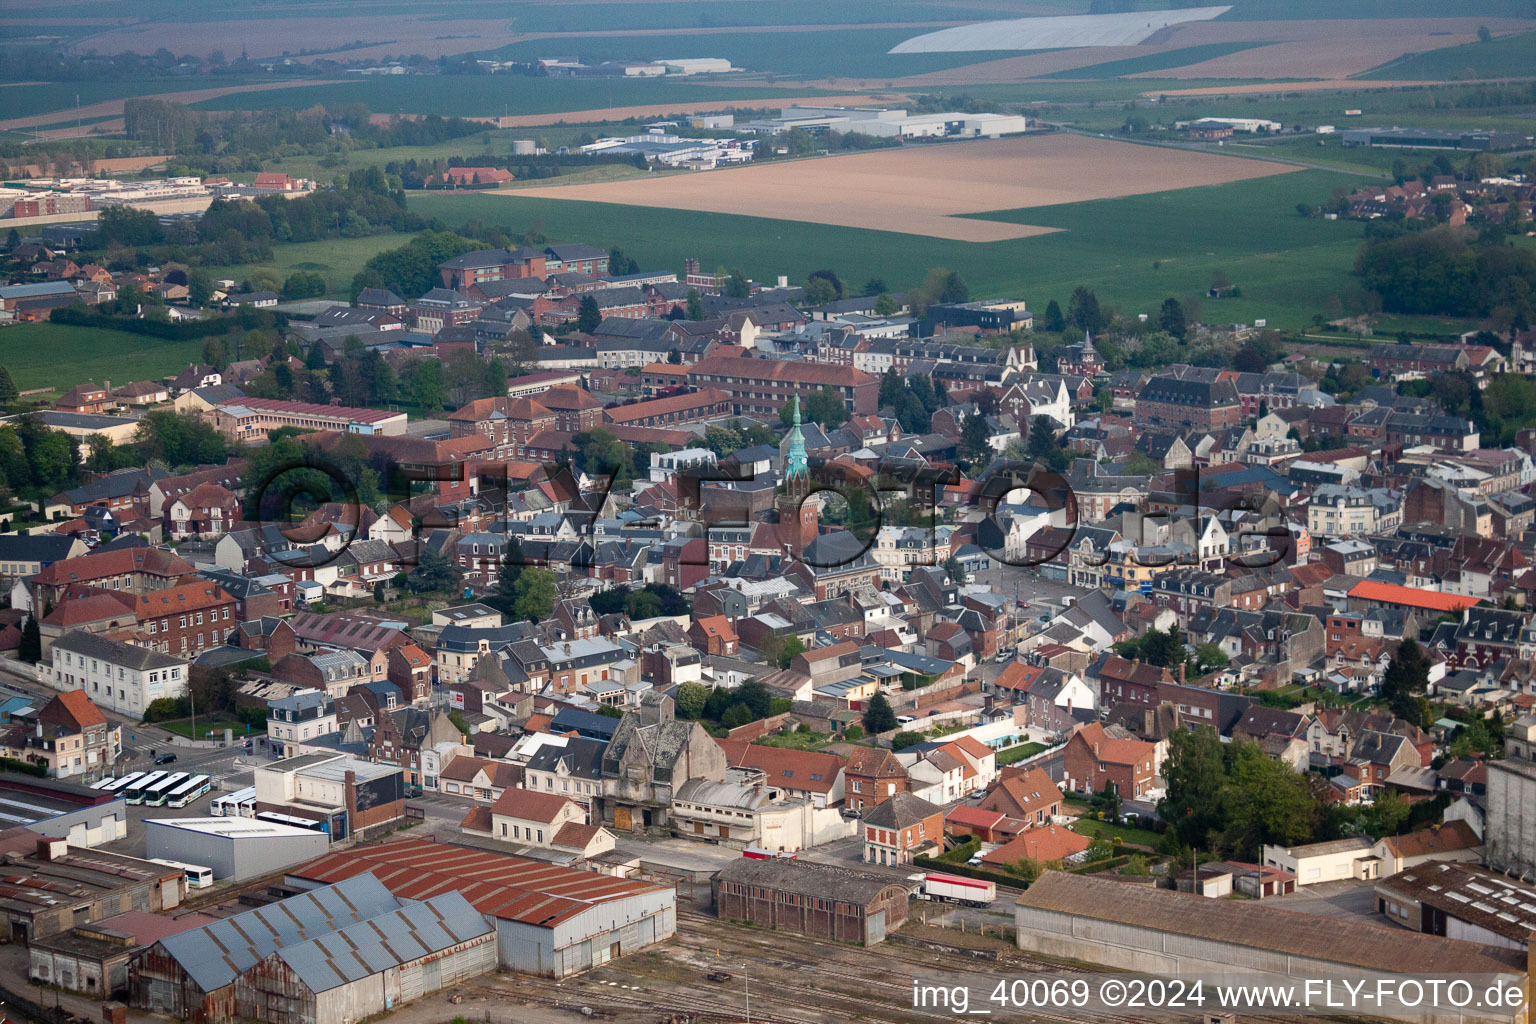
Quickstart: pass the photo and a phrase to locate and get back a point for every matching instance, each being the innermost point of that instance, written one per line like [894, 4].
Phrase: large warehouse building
[550, 920]
[234, 847]
[1171, 934]
[335, 955]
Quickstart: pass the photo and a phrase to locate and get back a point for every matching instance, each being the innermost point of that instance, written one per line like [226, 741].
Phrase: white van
[905, 719]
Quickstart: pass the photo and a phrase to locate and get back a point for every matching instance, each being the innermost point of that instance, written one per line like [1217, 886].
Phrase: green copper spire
[796, 464]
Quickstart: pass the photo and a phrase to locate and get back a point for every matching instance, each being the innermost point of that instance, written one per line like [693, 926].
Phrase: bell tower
[797, 508]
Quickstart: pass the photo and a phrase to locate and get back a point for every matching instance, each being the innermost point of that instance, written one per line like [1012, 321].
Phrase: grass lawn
[337, 260]
[205, 724]
[1134, 251]
[795, 740]
[1095, 829]
[54, 355]
[1012, 755]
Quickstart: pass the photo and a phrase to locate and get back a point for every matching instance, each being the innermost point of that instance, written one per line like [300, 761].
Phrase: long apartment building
[760, 387]
[243, 418]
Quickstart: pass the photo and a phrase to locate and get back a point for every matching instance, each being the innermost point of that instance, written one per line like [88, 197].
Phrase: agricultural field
[1511, 56]
[920, 190]
[495, 95]
[1135, 251]
[52, 355]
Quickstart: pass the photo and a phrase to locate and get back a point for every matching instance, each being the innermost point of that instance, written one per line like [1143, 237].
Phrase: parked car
[166, 759]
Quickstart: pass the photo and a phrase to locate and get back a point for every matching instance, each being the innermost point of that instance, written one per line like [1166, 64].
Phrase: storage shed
[811, 899]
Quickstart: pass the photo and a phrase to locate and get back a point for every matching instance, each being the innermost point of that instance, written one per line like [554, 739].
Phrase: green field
[1282, 10]
[491, 95]
[1506, 57]
[26, 100]
[52, 355]
[1287, 266]
[336, 259]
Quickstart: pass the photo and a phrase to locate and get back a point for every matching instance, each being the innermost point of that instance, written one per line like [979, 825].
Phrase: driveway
[1344, 899]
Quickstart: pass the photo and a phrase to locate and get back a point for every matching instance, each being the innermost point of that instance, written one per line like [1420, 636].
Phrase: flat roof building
[62, 810]
[51, 887]
[233, 847]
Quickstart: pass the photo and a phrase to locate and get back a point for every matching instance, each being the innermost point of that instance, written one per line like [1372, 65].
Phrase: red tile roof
[804, 770]
[530, 805]
[1044, 845]
[1412, 597]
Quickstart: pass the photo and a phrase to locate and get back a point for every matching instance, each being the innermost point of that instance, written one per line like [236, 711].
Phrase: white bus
[118, 786]
[289, 819]
[157, 794]
[134, 791]
[239, 804]
[188, 791]
[103, 783]
[198, 877]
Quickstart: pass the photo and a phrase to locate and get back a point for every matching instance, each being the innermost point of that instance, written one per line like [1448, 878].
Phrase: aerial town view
[726, 512]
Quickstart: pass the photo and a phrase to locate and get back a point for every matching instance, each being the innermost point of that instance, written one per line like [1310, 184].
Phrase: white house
[543, 820]
[116, 676]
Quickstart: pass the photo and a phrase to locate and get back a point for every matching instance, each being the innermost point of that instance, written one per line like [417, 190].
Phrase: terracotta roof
[575, 835]
[1111, 750]
[1447, 838]
[184, 597]
[116, 562]
[206, 495]
[875, 762]
[567, 397]
[716, 625]
[660, 406]
[463, 769]
[804, 770]
[530, 805]
[72, 707]
[975, 817]
[1412, 597]
[1017, 675]
[477, 820]
[1045, 844]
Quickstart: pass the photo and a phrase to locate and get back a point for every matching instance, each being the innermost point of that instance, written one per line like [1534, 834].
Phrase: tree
[1194, 774]
[695, 305]
[885, 305]
[690, 700]
[1052, 319]
[832, 280]
[1483, 35]
[1406, 677]
[427, 384]
[1042, 438]
[789, 649]
[892, 388]
[974, 435]
[878, 716]
[736, 286]
[903, 740]
[756, 697]
[1083, 311]
[819, 291]
[12, 240]
[874, 286]
[31, 648]
[736, 715]
[534, 594]
[8, 390]
[433, 571]
[1171, 318]
[199, 286]
[588, 315]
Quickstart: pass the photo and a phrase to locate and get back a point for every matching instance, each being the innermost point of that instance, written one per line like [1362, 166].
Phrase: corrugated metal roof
[496, 884]
[214, 955]
[389, 940]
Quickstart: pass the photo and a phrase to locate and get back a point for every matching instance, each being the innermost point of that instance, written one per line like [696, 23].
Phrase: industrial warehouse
[235, 848]
[333, 955]
[1154, 931]
[811, 899]
[549, 920]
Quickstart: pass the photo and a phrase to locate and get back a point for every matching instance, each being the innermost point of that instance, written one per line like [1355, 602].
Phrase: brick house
[186, 619]
[902, 827]
[713, 635]
[1026, 794]
[1094, 758]
[872, 775]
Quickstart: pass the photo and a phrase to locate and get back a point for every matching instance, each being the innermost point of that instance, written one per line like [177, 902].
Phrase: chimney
[1181, 673]
[51, 849]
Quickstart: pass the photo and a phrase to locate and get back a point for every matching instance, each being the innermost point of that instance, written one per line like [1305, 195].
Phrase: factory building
[1154, 931]
[233, 847]
[809, 899]
[549, 920]
[62, 810]
[333, 955]
[93, 959]
[50, 888]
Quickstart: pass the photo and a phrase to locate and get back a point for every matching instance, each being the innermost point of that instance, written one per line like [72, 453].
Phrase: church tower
[797, 507]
